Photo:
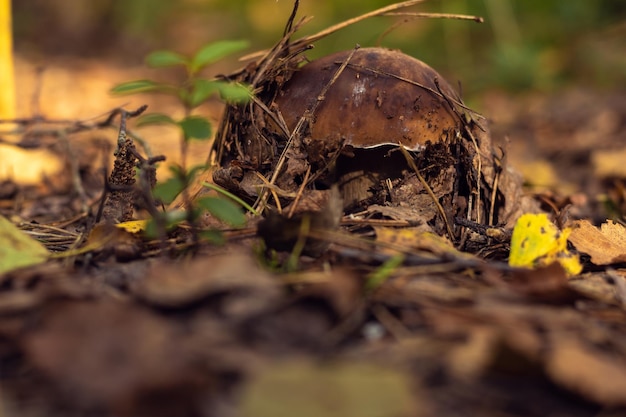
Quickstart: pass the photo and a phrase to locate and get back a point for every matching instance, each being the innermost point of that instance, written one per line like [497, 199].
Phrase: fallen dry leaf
[606, 245]
[246, 288]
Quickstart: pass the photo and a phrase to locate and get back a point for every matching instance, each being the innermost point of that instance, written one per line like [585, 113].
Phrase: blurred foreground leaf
[168, 190]
[331, 390]
[17, 249]
[170, 219]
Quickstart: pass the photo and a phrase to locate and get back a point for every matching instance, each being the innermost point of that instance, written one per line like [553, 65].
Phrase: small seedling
[194, 90]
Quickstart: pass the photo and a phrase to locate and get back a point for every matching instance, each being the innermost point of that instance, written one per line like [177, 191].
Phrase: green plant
[191, 93]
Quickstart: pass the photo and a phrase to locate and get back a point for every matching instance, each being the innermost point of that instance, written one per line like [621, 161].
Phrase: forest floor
[127, 329]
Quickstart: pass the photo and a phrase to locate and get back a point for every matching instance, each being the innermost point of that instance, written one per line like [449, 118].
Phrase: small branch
[477, 19]
[383, 10]
[75, 126]
[409, 16]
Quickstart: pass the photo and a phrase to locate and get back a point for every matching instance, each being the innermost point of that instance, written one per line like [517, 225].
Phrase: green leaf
[176, 170]
[155, 119]
[203, 89]
[382, 273]
[223, 210]
[196, 127]
[231, 196]
[184, 97]
[159, 59]
[142, 86]
[215, 237]
[168, 190]
[232, 92]
[214, 52]
[152, 230]
[171, 218]
[17, 249]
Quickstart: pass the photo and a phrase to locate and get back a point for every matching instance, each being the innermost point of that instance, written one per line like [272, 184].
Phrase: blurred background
[540, 45]
[550, 75]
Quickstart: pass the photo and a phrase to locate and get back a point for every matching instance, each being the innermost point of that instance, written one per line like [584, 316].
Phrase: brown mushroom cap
[382, 97]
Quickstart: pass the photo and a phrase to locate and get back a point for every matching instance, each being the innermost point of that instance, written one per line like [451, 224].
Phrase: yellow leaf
[536, 241]
[133, 226]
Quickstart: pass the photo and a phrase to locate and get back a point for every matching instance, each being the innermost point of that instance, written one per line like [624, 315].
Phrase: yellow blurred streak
[7, 80]
[12, 160]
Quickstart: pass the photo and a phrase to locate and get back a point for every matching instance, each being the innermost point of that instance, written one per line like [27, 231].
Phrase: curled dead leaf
[606, 245]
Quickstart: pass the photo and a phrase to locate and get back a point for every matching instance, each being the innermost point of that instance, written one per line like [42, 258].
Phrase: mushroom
[359, 108]
[366, 99]
[381, 97]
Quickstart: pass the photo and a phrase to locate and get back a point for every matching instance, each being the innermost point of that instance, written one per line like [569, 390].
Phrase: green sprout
[191, 93]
